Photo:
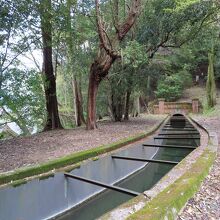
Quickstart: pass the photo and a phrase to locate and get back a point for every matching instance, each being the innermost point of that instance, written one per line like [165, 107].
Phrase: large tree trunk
[98, 70]
[107, 55]
[92, 94]
[53, 120]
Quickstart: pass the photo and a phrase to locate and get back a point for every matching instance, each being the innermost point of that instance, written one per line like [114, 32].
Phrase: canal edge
[69, 162]
[169, 196]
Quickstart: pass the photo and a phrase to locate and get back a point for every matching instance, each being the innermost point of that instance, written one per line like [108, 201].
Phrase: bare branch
[196, 31]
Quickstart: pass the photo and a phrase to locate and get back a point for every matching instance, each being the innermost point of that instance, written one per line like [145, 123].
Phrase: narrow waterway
[46, 199]
[140, 181]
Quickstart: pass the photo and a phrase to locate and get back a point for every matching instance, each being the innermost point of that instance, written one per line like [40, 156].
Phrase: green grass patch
[169, 202]
[208, 111]
[211, 112]
[72, 158]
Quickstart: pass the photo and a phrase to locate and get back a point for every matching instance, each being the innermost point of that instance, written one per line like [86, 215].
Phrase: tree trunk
[115, 104]
[127, 105]
[110, 100]
[210, 84]
[92, 94]
[53, 120]
[81, 102]
[107, 55]
[136, 107]
[117, 108]
[79, 118]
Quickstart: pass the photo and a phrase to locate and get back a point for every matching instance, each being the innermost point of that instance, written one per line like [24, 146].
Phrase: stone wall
[177, 107]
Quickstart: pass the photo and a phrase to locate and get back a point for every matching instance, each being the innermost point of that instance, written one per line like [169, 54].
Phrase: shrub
[170, 87]
[186, 78]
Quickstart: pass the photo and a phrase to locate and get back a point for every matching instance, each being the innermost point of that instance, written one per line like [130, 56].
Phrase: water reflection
[43, 199]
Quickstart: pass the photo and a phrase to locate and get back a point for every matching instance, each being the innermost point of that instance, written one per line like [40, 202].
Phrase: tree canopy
[100, 58]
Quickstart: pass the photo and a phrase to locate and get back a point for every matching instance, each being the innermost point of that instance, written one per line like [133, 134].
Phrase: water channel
[64, 198]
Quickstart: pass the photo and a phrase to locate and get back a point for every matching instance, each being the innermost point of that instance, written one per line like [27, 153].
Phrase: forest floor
[45, 146]
[205, 205]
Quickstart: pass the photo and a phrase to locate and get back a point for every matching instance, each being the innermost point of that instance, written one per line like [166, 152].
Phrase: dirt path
[205, 205]
[26, 151]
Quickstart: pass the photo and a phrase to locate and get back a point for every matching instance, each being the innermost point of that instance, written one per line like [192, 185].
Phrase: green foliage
[3, 135]
[186, 78]
[134, 54]
[210, 111]
[22, 99]
[181, 5]
[181, 27]
[170, 88]
[167, 26]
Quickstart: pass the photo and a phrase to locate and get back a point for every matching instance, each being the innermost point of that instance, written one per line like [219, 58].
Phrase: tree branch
[101, 32]
[193, 34]
[130, 20]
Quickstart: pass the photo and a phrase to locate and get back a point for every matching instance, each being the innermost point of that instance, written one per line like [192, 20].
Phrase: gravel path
[26, 151]
[205, 205]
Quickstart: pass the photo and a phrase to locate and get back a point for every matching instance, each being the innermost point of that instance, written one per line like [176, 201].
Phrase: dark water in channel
[141, 181]
[42, 199]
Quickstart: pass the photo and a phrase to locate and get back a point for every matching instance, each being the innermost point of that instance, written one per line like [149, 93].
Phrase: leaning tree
[109, 49]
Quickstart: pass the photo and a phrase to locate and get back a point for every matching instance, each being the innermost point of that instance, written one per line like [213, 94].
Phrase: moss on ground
[44, 177]
[169, 202]
[72, 158]
[18, 183]
[95, 158]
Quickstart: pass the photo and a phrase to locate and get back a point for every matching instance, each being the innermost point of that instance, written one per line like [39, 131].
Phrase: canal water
[140, 181]
[45, 199]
